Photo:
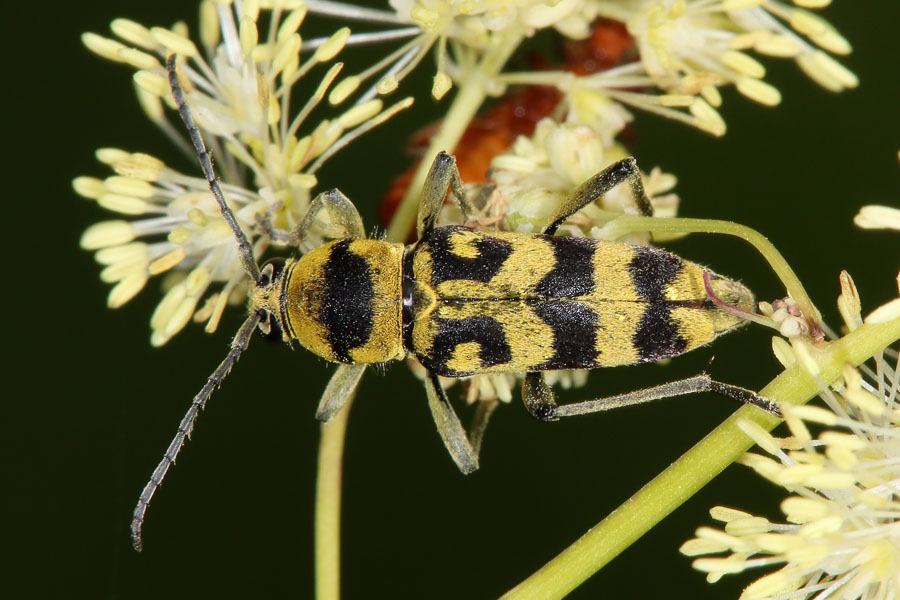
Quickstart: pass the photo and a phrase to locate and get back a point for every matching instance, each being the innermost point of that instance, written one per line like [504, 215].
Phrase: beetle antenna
[244, 247]
[241, 339]
[238, 345]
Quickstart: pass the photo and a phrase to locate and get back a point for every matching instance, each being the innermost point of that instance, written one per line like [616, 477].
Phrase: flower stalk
[329, 478]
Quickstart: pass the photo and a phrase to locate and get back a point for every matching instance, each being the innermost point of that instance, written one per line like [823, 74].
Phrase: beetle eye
[270, 271]
[265, 276]
[269, 327]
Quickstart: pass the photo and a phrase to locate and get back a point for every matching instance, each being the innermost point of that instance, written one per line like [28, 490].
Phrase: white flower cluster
[239, 89]
[841, 533]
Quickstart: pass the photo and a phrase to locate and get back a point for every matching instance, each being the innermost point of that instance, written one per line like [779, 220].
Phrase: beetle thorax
[342, 301]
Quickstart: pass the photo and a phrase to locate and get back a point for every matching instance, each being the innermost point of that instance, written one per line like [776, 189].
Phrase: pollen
[878, 217]
[360, 113]
[342, 90]
[88, 187]
[759, 91]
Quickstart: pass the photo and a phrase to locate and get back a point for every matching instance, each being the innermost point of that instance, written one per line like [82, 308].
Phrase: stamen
[350, 11]
[352, 135]
[126, 289]
[102, 46]
[134, 33]
[173, 42]
[167, 261]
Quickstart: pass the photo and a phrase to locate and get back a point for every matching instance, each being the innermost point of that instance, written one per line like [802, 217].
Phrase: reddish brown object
[608, 46]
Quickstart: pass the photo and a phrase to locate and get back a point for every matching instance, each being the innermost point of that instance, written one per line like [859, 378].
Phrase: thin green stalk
[328, 506]
[631, 223]
[469, 98]
[696, 468]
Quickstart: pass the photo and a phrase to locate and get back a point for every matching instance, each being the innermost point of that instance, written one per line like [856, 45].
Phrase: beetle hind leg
[540, 400]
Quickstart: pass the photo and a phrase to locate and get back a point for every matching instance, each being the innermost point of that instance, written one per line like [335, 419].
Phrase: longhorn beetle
[464, 302]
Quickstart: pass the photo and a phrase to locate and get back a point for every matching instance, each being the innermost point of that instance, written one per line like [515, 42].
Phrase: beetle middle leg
[449, 427]
[541, 402]
[483, 411]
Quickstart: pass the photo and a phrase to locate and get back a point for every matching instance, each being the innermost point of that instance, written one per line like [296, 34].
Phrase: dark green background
[90, 406]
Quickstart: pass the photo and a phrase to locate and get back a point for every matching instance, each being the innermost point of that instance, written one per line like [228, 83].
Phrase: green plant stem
[696, 467]
[469, 98]
[328, 506]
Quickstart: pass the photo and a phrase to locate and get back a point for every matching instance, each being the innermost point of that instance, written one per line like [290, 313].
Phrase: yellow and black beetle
[465, 302]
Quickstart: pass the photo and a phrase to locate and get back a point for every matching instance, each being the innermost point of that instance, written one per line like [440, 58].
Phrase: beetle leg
[598, 185]
[341, 214]
[449, 427]
[340, 210]
[340, 388]
[443, 174]
[281, 236]
[483, 411]
[540, 401]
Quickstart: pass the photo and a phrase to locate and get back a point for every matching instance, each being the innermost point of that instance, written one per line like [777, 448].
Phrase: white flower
[693, 46]
[690, 48]
[463, 31]
[239, 90]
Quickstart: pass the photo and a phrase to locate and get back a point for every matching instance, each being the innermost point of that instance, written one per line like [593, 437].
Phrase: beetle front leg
[341, 212]
[339, 390]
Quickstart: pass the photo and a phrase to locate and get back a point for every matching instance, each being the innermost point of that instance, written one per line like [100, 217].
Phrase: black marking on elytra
[347, 303]
[573, 273]
[574, 335]
[652, 270]
[447, 266]
[485, 331]
[657, 334]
